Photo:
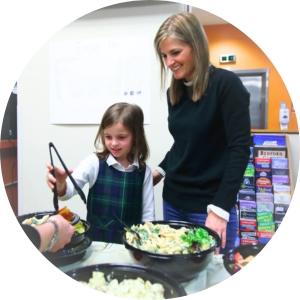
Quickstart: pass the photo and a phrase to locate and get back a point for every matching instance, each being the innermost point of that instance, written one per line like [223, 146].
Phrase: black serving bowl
[173, 288]
[76, 238]
[244, 250]
[182, 267]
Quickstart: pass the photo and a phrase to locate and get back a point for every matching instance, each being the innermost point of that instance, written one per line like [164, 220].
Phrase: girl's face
[118, 141]
[179, 58]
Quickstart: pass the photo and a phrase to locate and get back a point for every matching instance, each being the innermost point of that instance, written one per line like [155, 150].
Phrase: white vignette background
[27, 25]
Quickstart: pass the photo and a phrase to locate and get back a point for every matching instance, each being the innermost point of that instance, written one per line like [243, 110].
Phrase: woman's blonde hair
[132, 118]
[186, 28]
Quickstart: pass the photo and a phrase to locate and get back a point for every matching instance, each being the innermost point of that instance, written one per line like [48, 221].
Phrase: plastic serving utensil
[130, 229]
[78, 189]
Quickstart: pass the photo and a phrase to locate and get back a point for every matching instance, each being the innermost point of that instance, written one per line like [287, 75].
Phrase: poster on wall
[87, 76]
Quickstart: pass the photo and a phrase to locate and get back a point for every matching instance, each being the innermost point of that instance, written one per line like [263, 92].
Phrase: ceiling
[206, 18]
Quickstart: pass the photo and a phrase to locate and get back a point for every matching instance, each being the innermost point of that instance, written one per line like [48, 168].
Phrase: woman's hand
[157, 177]
[66, 231]
[219, 225]
[60, 179]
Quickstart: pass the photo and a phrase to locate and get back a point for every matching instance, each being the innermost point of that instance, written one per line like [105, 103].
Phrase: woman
[209, 120]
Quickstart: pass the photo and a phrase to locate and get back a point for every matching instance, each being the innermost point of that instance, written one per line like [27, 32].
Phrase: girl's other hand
[157, 177]
[59, 179]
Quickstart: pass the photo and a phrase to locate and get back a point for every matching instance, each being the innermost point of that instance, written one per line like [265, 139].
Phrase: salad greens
[199, 239]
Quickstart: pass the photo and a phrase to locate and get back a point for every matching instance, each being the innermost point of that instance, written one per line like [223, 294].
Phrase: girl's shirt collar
[112, 161]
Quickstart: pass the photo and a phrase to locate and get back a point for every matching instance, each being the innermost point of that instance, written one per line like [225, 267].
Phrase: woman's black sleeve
[32, 234]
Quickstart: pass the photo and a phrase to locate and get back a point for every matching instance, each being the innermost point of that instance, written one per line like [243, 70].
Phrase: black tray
[69, 255]
[173, 288]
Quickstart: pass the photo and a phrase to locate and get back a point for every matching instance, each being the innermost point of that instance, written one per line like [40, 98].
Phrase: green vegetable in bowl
[79, 227]
[199, 239]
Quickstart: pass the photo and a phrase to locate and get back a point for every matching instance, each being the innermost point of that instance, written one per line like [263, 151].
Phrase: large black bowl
[173, 288]
[76, 238]
[182, 267]
[244, 250]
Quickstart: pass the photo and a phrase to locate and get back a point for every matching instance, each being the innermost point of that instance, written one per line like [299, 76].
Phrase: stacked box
[281, 188]
[264, 194]
[266, 148]
[264, 197]
[269, 145]
[247, 205]
[280, 166]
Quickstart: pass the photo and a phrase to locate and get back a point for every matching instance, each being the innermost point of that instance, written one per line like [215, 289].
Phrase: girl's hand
[60, 179]
[219, 225]
[157, 177]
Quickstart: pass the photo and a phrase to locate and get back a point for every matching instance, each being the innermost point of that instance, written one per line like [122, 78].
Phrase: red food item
[238, 256]
[66, 213]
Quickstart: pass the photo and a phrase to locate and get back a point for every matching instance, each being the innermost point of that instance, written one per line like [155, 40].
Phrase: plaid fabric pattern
[114, 192]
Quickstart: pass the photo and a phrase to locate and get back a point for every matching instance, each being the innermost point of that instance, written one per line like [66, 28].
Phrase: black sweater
[211, 148]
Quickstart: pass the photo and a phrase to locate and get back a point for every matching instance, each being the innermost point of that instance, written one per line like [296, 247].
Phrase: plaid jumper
[114, 192]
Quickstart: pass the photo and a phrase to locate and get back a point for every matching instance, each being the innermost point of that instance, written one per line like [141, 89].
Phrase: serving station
[103, 253]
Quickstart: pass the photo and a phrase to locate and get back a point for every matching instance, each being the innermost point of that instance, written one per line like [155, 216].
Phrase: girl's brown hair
[185, 27]
[132, 118]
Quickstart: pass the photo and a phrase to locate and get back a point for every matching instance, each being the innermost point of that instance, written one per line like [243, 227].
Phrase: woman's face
[179, 58]
[118, 141]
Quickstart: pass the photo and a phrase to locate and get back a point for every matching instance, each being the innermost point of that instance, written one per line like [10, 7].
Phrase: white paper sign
[87, 76]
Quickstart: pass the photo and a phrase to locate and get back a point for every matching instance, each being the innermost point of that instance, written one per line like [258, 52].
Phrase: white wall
[75, 142]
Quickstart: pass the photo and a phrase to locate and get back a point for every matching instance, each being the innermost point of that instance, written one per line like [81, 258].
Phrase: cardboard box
[277, 179]
[281, 198]
[278, 217]
[264, 217]
[249, 241]
[281, 208]
[273, 140]
[269, 226]
[263, 240]
[247, 187]
[265, 234]
[250, 170]
[280, 163]
[263, 181]
[264, 189]
[263, 172]
[270, 152]
[247, 205]
[247, 215]
[264, 206]
[248, 180]
[265, 197]
[281, 172]
[247, 195]
[281, 188]
[262, 162]
[248, 225]
[248, 234]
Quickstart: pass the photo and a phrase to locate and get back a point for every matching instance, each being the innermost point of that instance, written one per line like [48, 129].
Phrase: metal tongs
[131, 230]
[78, 189]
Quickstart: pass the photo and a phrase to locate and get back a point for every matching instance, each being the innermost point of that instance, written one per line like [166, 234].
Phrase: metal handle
[77, 188]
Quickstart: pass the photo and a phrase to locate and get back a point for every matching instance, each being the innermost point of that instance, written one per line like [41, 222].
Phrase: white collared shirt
[87, 172]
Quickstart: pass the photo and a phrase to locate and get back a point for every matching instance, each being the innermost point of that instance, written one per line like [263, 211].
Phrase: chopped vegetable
[66, 213]
[239, 262]
[79, 227]
[237, 256]
[199, 239]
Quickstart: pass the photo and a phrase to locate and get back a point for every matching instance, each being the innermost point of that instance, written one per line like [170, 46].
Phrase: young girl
[120, 182]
